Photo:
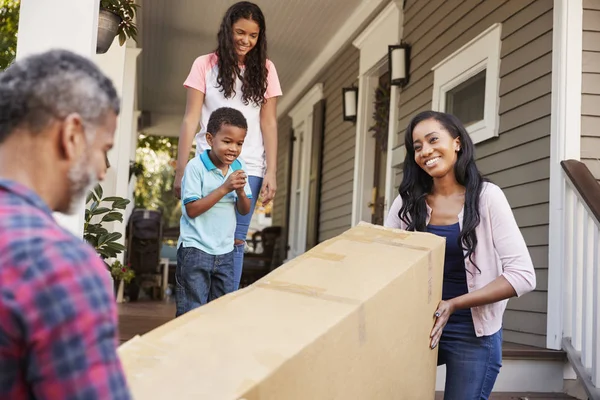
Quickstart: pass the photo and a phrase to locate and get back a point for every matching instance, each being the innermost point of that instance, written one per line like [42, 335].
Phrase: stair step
[520, 396]
[514, 351]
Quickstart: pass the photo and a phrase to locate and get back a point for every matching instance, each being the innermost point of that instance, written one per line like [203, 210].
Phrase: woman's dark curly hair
[254, 79]
[417, 184]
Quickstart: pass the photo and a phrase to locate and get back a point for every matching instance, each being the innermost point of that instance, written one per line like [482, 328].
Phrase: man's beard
[82, 179]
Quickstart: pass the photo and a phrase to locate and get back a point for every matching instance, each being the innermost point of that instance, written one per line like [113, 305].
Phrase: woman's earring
[458, 149]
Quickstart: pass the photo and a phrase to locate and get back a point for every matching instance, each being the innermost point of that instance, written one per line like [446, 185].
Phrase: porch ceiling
[174, 33]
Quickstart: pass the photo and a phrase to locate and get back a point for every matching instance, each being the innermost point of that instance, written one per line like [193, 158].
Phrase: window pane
[467, 100]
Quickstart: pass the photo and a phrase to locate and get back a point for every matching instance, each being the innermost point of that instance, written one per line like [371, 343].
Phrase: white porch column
[132, 153]
[565, 140]
[119, 63]
[67, 24]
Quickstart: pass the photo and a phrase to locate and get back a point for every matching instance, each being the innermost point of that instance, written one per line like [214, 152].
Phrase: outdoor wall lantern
[350, 103]
[399, 59]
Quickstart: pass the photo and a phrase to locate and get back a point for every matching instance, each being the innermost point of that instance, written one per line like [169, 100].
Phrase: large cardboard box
[350, 319]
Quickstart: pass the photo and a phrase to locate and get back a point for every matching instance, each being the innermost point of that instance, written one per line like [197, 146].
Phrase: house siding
[284, 129]
[590, 87]
[338, 147]
[519, 159]
[338, 152]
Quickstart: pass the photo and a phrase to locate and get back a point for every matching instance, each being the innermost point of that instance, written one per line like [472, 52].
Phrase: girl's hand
[444, 310]
[269, 187]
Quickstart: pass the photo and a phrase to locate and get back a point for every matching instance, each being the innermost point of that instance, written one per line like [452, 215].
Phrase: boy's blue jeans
[472, 363]
[201, 277]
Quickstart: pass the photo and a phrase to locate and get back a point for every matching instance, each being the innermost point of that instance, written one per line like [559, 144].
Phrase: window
[467, 100]
[466, 84]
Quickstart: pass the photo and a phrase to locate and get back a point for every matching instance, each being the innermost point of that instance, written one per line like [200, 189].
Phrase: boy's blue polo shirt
[212, 231]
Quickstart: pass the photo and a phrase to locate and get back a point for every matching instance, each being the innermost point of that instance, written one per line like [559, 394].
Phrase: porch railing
[581, 289]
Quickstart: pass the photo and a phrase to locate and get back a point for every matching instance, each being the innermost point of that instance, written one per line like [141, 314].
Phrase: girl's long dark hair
[254, 78]
[417, 184]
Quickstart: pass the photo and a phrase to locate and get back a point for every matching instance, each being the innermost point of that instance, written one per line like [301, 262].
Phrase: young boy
[214, 183]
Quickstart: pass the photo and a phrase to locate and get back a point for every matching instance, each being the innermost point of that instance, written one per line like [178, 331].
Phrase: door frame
[302, 119]
[386, 29]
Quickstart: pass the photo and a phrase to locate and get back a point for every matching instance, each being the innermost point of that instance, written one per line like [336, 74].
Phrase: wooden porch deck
[141, 317]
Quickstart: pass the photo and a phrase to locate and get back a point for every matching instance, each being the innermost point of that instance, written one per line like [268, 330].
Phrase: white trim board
[567, 47]
[481, 53]
[304, 106]
[374, 40]
[335, 45]
[373, 43]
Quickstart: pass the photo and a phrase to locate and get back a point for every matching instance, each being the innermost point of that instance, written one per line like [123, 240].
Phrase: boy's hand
[236, 181]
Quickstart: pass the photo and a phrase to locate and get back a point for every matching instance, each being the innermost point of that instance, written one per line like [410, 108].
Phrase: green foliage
[121, 272]
[381, 116]
[9, 25]
[135, 168]
[105, 243]
[154, 188]
[125, 9]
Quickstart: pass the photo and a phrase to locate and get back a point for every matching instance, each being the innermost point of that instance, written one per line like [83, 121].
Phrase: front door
[379, 130]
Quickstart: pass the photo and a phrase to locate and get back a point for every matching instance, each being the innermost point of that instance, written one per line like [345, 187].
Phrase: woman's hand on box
[443, 312]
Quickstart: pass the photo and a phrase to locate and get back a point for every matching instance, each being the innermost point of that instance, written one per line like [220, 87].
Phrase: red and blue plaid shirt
[58, 321]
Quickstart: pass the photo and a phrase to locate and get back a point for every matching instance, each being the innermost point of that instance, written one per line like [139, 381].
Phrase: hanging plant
[126, 10]
[381, 116]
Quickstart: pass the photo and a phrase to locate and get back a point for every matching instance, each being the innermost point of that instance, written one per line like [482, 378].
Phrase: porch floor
[140, 317]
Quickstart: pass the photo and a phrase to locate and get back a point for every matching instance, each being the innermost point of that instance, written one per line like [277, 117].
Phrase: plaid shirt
[58, 321]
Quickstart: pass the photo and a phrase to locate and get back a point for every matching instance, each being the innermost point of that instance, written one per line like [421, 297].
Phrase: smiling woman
[238, 75]
[486, 260]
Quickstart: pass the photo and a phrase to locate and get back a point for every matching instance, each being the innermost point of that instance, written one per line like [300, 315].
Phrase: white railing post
[596, 311]
[577, 325]
[588, 287]
[569, 210]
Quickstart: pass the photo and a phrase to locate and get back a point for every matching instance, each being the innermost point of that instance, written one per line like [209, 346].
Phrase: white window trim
[481, 53]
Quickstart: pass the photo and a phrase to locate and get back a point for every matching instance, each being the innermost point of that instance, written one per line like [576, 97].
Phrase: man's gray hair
[48, 86]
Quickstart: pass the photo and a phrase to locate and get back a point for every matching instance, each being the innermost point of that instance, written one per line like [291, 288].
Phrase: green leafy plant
[381, 116]
[96, 213]
[136, 168]
[9, 24]
[125, 9]
[121, 272]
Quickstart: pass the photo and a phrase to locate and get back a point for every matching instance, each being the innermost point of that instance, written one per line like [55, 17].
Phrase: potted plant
[121, 275]
[116, 17]
[106, 243]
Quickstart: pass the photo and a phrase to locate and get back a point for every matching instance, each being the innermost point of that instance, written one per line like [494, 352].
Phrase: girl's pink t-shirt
[203, 77]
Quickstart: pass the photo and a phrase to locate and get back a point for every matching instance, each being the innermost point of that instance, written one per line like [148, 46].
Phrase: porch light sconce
[399, 62]
[350, 103]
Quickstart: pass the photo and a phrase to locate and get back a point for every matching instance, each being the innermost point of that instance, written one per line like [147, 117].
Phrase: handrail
[587, 187]
[581, 279]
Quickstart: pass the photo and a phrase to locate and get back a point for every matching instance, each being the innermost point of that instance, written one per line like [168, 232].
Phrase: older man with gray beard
[58, 322]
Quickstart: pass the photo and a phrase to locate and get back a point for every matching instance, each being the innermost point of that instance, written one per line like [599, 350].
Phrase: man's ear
[209, 139]
[72, 137]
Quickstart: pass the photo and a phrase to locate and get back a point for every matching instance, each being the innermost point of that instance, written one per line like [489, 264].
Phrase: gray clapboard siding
[338, 147]
[590, 88]
[338, 151]
[518, 160]
[284, 127]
